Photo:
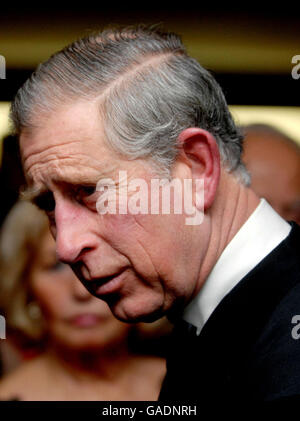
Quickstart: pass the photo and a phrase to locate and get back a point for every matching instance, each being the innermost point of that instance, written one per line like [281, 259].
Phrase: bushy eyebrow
[34, 192]
[38, 194]
[31, 193]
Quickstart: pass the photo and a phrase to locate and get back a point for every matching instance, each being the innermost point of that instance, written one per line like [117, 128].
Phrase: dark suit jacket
[245, 353]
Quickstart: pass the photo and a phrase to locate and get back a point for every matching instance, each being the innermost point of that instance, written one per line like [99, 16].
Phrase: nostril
[81, 271]
[84, 251]
[76, 268]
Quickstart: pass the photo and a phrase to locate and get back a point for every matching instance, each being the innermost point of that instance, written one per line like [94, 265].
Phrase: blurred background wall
[248, 48]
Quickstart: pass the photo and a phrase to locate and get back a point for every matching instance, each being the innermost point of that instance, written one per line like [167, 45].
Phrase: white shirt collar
[259, 235]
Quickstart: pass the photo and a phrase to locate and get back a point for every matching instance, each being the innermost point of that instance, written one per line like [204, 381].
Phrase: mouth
[105, 285]
[85, 320]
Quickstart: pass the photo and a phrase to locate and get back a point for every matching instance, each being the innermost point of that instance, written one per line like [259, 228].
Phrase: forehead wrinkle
[79, 157]
[76, 158]
[72, 171]
[45, 149]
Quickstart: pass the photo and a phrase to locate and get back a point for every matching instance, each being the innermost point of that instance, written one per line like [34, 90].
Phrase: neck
[87, 365]
[233, 205]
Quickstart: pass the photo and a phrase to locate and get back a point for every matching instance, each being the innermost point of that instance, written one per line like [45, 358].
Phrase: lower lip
[111, 286]
[85, 320]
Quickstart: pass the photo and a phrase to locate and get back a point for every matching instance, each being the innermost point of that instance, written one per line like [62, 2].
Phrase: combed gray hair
[149, 90]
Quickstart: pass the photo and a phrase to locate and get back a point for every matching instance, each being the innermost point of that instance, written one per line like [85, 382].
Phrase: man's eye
[45, 202]
[84, 193]
[88, 190]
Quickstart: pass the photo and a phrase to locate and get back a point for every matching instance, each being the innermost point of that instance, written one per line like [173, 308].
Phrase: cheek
[130, 228]
[152, 244]
[50, 298]
[121, 232]
[112, 224]
[160, 236]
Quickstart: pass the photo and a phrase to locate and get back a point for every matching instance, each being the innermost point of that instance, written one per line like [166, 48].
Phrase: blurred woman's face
[74, 318]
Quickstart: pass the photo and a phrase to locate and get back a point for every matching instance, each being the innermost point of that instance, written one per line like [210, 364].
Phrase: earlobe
[201, 153]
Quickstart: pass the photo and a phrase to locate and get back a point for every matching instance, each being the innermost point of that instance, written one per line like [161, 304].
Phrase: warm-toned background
[248, 48]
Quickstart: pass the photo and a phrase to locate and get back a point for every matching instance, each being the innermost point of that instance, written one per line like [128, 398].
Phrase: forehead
[71, 136]
[66, 125]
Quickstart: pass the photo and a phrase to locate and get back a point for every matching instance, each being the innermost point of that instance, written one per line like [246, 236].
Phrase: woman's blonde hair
[20, 238]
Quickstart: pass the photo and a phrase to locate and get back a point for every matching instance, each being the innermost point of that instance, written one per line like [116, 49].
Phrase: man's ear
[201, 153]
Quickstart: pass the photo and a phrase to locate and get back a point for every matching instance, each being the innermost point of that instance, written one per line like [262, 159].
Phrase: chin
[130, 311]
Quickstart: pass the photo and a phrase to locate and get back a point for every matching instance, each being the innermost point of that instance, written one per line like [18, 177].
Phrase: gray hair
[149, 90]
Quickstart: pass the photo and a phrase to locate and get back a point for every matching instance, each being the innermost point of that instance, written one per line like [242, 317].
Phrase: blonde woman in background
[85, 351]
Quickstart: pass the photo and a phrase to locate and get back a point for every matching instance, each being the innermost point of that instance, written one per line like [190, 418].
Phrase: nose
[73, 236]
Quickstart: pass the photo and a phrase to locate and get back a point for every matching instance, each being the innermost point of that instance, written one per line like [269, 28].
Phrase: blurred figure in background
[11, 179]
[273, 160]
[85, 351]
[11, 174]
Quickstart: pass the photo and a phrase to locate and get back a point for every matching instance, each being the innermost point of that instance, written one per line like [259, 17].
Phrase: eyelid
[89, 190]
[86, 195]
[45, 201]
[82, 192]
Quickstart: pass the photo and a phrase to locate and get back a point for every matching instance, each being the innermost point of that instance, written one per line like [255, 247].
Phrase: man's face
[141, 264]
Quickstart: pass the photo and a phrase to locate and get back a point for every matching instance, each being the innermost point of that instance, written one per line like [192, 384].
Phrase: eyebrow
[31, 193]
[34, 192]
